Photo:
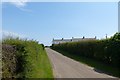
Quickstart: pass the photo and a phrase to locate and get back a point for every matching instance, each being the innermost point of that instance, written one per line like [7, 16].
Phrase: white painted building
[58, 41]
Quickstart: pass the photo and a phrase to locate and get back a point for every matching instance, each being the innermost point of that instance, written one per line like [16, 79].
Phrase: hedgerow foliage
[106, 50]
[20, 57]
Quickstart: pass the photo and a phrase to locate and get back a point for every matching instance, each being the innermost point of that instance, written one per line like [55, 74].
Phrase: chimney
[83, 37]
[95, 37]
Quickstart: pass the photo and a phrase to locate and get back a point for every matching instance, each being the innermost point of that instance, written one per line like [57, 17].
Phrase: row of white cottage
[58, 41]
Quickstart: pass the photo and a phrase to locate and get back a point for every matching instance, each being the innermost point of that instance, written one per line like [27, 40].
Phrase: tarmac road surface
[64, 67]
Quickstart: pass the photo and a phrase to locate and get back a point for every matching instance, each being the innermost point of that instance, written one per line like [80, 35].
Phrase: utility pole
[106, 36]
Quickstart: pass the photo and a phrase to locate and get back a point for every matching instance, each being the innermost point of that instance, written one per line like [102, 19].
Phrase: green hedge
[106, 50]
[27, 58]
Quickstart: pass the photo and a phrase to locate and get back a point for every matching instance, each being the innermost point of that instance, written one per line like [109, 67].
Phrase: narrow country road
[64, 67]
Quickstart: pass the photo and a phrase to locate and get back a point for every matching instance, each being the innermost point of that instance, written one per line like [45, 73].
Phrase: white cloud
[26, 10]
[111, 35]
[19, 3]
[11, 34]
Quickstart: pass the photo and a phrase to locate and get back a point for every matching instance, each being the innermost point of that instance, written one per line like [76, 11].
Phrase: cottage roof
[73, 39]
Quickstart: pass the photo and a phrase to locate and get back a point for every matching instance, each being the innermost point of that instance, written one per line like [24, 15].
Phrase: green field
[25, 59]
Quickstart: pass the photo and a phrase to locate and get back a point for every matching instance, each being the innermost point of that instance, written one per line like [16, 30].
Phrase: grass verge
[42, 67]
[97, 65]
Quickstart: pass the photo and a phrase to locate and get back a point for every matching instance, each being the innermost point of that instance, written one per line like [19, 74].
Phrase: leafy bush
[25, 58]
[106, 50]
